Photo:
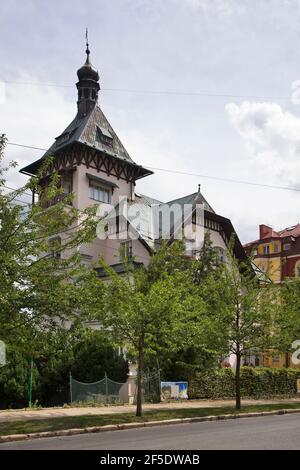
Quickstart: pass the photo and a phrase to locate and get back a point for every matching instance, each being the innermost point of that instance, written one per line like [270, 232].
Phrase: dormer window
[62, 138]
[65, 136]
[104, 136]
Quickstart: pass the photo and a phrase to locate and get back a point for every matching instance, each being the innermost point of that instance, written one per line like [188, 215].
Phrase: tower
[90, 143]
[87, 85]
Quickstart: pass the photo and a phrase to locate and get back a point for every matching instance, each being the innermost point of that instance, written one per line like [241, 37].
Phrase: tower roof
[90, 127]
[93, 131]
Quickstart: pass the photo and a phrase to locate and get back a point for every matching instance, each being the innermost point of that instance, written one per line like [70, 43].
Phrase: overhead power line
[186, 173]
[158, 92]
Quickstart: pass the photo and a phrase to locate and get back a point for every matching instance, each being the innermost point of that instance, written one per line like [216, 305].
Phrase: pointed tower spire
[87, 86]
[87, 51]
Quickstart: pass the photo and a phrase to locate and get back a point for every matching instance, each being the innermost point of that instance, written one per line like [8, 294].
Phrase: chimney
[265, 231]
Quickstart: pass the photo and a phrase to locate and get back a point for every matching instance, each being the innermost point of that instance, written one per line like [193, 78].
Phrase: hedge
[255, 383]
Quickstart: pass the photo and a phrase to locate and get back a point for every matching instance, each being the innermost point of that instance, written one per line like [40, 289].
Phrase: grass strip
[68, 422]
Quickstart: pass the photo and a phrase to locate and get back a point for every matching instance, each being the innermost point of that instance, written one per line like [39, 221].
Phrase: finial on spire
[199, 188]
[87, 43]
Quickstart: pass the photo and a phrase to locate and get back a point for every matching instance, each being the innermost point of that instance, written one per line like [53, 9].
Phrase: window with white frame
[99, 193]
[297, 269]
[126, 249]
[266, 249]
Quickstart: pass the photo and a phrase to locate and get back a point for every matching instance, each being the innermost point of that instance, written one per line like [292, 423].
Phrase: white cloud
[32, 115]
[219, 8]
[272, 138]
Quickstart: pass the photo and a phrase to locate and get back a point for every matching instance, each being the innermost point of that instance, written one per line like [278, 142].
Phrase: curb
[149, 424]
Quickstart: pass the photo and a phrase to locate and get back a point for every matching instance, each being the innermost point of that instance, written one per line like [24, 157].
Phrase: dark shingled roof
[190, 199]
[119, 268]
[84, 131]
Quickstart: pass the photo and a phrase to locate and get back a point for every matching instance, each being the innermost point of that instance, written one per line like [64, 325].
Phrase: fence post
[71, 394]
[106, 387]
[159, 391]
[147, 384]
[30, 383]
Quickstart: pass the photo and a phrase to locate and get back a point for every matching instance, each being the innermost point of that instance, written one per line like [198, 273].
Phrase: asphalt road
[268, 433]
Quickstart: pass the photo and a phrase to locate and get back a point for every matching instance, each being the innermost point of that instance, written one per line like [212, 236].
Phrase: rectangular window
[55, 247]
[66, 183]
[275, 359]
[126, 249]
[266, 249]
[276, 248]
[99, 193]
[286, 246]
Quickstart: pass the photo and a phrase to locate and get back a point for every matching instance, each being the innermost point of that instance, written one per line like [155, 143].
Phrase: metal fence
[102, 391]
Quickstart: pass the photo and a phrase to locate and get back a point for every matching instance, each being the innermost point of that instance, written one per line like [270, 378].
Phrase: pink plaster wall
[108, 248]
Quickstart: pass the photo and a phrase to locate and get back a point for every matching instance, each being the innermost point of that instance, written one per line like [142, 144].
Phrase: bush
[88, 356]
[255, 383]
[14, 380]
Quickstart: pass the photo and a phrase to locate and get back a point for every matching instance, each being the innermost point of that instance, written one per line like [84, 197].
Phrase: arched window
[297, 269]
[86, 92]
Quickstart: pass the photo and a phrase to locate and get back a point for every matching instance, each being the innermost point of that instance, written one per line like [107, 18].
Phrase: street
[266, 433]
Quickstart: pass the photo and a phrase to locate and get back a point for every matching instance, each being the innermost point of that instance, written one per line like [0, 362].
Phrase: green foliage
[149, 309]
[14, 380]
[88, 354]
[255, 383]
[239, 312]
[287, 315]
[37, 288]
[184, 364]
[94, 356]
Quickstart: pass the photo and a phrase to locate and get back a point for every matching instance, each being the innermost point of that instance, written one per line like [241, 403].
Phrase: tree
[287, 317]
[205, 344]
[148, 309]
[241, 312]
[40, 266]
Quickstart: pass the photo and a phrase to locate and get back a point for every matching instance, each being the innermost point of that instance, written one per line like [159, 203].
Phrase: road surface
[270, 432]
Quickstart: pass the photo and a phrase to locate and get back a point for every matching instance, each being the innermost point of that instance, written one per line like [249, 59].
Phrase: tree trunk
[139, 397]
[287, 359]
[238, 382]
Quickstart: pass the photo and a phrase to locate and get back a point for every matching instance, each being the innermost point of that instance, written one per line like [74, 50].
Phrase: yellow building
[277, 254]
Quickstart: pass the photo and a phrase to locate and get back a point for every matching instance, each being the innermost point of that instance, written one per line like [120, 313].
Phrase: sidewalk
[24, 414]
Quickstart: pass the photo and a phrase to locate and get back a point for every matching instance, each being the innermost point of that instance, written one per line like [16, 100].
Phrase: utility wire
[199, 175]
[157, 92]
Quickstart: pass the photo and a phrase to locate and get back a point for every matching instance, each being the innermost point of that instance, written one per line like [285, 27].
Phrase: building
[277, 253]
[95, 166]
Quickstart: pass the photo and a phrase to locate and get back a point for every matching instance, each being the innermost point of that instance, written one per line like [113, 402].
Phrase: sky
[207, 87]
